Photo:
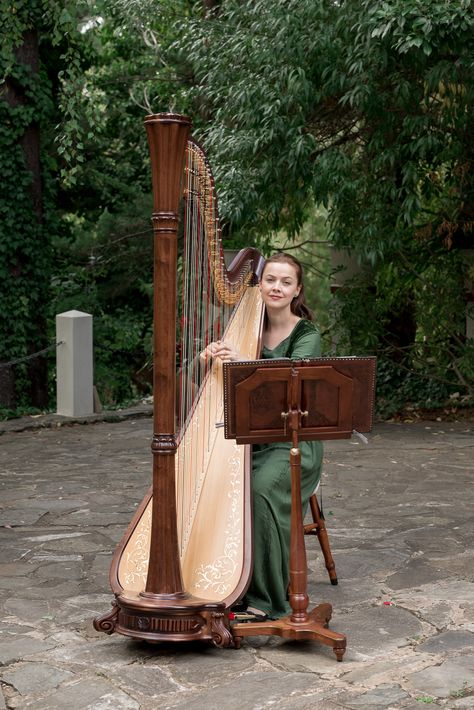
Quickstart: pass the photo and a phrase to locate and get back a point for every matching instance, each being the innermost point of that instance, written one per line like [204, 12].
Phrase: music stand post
[275, 400]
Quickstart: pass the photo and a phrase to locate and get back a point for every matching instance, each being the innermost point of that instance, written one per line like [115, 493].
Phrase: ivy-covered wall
[24, 264]
[31, 30]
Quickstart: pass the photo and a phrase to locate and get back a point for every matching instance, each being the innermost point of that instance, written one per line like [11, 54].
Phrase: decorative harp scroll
[185, 557]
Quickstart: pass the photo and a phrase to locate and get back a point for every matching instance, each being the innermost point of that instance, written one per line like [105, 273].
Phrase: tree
[104, 262]
[76, 83]
[24, 268]
[367, 108]
[334, 100]
[362, 107]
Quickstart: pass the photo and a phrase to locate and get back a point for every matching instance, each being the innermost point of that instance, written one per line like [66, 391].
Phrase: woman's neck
[280, 321]
[278, 327]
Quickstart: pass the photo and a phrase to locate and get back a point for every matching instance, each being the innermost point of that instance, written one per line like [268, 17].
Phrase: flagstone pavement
[399, 513]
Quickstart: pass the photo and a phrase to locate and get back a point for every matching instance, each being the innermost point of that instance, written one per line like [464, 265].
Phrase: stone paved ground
[400, 519]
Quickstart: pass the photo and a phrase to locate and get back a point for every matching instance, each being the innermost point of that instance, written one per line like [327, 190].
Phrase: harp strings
[206, 305]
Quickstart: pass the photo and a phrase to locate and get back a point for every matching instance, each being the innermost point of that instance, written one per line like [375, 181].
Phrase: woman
[288, 332]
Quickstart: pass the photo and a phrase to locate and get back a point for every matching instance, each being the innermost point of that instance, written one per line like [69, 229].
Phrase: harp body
[185, 557]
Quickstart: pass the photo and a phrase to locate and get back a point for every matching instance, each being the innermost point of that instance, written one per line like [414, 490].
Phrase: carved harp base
[155, 619]
[315, 628]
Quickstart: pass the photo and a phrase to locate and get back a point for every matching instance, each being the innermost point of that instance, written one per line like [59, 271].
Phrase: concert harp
[186, 555]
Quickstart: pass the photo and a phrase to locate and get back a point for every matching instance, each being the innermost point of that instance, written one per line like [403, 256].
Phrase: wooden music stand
[284, 400]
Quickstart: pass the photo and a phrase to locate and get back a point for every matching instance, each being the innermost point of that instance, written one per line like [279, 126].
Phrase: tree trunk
[27, 54]
[401, 330]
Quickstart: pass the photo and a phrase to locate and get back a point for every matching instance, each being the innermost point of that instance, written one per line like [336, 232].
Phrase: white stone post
[74, 364]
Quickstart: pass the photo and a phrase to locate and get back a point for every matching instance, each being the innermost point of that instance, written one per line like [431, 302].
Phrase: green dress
[271, 492]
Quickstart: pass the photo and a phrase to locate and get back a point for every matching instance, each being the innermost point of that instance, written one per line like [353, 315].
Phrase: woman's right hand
[211, 351]
[222, 350]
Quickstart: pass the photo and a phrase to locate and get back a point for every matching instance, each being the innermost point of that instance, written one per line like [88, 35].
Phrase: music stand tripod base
[314, 629]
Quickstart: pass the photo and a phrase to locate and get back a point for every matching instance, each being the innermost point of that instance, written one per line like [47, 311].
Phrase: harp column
[167, 137]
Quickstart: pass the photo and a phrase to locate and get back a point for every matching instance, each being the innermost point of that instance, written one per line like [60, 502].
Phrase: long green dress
[271, 491]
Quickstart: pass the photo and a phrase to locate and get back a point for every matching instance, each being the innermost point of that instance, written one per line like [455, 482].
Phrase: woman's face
[279, 285]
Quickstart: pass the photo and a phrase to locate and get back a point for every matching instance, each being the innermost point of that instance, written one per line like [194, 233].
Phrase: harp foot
[221, 635]
[314, 628]
[107, 622]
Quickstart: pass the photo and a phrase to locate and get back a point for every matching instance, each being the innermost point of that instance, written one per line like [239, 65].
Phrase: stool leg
[321, 532]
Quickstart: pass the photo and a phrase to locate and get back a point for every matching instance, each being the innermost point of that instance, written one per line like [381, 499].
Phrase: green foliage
[256, 80]
[410, 312]
[42, 58]
[363, 108]
[25, 103]
[85, 243]
[366, 108]
[313, 250]
[124, 82]
[106, 270]
[104, 260]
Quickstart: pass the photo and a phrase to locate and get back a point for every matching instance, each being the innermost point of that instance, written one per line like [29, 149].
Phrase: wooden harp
[185, 557]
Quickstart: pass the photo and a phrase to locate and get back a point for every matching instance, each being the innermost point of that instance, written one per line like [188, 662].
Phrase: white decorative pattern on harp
[185, 557]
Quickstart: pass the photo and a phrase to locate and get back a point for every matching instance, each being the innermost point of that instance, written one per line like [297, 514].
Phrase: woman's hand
[224, 351]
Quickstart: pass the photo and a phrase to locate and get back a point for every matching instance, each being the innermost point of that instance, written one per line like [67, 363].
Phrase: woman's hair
[298, 305]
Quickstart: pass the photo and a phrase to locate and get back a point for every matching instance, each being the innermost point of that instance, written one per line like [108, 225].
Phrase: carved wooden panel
[337, 395]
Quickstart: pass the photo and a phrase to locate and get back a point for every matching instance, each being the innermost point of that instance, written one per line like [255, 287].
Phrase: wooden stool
[318, 527]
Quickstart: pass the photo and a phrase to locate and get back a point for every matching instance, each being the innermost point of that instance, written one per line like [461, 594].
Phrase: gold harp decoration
[228, 292]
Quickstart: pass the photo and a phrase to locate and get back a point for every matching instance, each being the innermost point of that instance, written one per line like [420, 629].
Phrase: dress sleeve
[307, 345]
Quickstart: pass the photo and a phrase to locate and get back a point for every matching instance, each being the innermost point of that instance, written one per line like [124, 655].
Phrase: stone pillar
[74, 364]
